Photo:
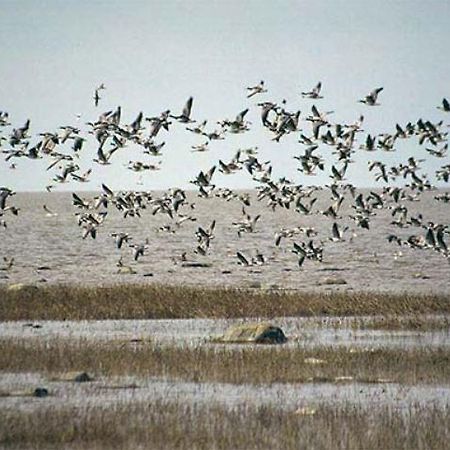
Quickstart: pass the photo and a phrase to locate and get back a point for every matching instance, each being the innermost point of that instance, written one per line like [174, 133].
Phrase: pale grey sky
[152, 55]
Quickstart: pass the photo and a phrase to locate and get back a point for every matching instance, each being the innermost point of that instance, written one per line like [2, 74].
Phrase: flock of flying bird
[314, 131]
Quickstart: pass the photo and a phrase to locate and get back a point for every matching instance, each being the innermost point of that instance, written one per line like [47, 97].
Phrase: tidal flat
[141, 366]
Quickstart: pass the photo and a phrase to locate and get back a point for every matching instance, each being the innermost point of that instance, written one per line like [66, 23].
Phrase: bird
[184, 117]
[243, 260]
[445, 105]
[314, 93]
[49, 213]
[120, 238]
[201, 147]
[371, 99]
[258, 89]
[5, 193]
[9, 264]
[138, 250]
[96, 97]
[337, 233]
[332, 150]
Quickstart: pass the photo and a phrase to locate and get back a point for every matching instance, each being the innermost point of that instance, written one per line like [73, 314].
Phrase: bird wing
[375, 92]
[107, 190]
[335, 231]
[241, 115]
[242, 258]
[187, 108]
[317, 88]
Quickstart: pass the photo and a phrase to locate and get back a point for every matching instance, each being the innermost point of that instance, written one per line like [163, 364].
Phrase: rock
[82, 377]
[421, 276]
[126, 270]
[258, 333]
[40, 392]
[195, 264]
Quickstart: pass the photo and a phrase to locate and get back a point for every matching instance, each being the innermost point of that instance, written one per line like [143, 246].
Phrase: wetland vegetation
[154, 301]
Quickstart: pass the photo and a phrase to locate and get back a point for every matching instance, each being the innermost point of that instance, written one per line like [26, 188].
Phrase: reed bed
[220, 363]
[171, 425]
[66, 302]
[403, 323]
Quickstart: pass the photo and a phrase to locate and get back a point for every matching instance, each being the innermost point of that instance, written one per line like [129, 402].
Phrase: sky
[153, 55]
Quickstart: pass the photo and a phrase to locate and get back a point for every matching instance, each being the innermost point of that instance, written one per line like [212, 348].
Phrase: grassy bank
[222, 364]
[165, 425]
[62, 302]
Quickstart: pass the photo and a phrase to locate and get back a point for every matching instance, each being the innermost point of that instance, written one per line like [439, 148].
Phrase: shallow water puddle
[290, 397]
[301, 331]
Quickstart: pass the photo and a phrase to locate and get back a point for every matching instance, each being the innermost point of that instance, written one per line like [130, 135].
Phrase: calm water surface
[51, 250]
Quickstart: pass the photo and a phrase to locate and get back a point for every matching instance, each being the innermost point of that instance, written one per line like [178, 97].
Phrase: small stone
[195, 264]
[82, 377]
[421, 276]
[126, 270]
[40, 392]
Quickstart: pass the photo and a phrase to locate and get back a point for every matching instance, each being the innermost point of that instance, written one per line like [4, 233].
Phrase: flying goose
[138, 250]
[445, 105]
[49, 213]
[371, 99]
[184, 117]
[258, 89]
[120, 238]
[243, 260]
[314, 93]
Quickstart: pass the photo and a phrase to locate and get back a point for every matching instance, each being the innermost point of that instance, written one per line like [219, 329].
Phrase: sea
[49, 248]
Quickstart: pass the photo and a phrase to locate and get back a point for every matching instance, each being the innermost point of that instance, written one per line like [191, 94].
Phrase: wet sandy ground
[303, 332]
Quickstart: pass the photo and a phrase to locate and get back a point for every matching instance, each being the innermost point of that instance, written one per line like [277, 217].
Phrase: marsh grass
[221, 363]
[404, 323]
[64, 302]
[171, 425]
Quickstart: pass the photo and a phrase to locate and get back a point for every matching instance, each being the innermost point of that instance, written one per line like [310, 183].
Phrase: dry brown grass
[404, 323]
[221, 364]
[165, 425]
[63, 302]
